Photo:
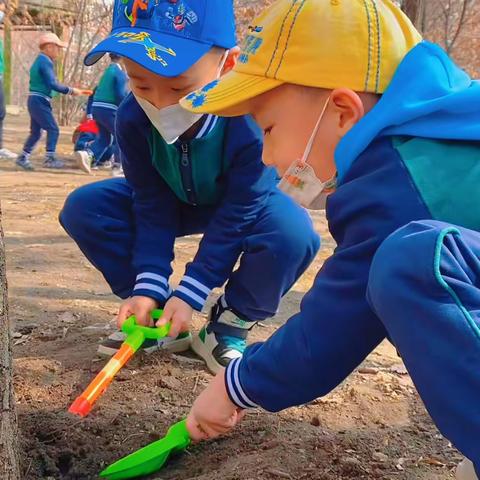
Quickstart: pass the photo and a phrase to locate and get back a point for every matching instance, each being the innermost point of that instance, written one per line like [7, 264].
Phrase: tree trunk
[9, 455]
[415, 10]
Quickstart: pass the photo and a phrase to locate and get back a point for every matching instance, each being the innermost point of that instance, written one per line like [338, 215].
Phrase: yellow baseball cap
[356, 44]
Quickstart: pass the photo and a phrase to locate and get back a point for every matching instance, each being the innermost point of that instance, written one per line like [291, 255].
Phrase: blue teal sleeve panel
[155, 207]
[336, 328]
[248, 185]
[430, 309]
[429, 97]
[47, 73]
[447, 176]
[112, 87]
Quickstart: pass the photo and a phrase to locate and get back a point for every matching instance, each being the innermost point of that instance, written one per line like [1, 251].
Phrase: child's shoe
[84, 160]
[24, 162]
[223, 338]
[6, 154]
[466, 471]
[106, 165]
[117, 171]
[51, 161]
[111, 345]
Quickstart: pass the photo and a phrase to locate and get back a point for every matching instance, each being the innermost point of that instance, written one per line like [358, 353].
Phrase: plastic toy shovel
[136, 335]
[152, 457]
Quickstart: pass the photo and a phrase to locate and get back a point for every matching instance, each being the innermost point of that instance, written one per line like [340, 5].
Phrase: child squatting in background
[359, 112]
[107, 97]
[86, 133]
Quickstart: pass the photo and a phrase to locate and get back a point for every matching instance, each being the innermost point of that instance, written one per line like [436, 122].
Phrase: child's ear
[231, 60]
[348, 107]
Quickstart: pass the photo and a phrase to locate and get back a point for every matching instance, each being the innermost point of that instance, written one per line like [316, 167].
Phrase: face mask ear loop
[222, 63]
[313, 137]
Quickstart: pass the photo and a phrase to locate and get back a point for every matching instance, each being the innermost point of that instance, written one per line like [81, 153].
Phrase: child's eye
[182, 90]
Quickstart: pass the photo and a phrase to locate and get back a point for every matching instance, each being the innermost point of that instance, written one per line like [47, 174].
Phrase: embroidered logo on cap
[153, 49]
[252, 44]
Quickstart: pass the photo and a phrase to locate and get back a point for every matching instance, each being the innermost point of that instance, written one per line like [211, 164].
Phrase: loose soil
[371, 427]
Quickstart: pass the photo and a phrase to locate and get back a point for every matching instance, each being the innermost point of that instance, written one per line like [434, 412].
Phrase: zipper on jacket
[186, 174]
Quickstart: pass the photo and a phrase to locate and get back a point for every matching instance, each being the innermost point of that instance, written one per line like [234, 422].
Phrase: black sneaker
[53, 162]
[23, 162]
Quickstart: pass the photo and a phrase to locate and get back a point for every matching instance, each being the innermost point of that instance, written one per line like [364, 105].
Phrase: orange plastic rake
[136, 335]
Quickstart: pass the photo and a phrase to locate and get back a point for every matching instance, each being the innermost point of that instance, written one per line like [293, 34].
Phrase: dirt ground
[371, 427]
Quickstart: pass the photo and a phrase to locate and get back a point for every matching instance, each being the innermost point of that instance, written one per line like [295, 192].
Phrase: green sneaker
[222, 339]
[111, 345]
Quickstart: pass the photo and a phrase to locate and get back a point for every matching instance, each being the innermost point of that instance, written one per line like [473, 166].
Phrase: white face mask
[173, 121]
[300, 181]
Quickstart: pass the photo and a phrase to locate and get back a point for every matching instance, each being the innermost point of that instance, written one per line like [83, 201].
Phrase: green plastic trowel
[151, 458]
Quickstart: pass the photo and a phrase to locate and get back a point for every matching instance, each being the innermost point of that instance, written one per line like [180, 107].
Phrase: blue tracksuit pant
[425, 287]
[105, 118]
[282, 244]
[41, 118]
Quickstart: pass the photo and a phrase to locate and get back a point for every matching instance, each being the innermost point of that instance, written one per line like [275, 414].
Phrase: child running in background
[356, 108]
[110, 92]
[187, 174]
[43, 82]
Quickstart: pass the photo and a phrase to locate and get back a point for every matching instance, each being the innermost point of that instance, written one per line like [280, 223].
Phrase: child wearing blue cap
[108, 95]
[187, 174]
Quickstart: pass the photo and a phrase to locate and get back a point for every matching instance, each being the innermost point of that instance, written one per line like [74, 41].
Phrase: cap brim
[229, 96]
[163, 54]
[58, 44]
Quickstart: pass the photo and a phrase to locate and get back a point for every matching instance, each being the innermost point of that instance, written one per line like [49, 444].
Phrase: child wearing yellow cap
[362, 117]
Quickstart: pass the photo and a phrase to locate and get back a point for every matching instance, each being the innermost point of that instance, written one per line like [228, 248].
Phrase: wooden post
[9, 454]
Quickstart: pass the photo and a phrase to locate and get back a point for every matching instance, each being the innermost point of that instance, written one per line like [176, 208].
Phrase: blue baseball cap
[167, 36]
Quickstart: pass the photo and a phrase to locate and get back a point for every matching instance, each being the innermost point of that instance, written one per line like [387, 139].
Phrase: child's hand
[213, 414]
[179, 313]
[141, 307]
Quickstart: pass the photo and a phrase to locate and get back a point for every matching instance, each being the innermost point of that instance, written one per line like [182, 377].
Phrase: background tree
[415, 9]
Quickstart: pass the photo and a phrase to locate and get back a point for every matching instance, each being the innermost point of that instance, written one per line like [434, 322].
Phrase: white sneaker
[110, 345]
[6, 154]
[466, 471]
[117, 171]
[215, 354]
[223, 338]
[84, 161]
